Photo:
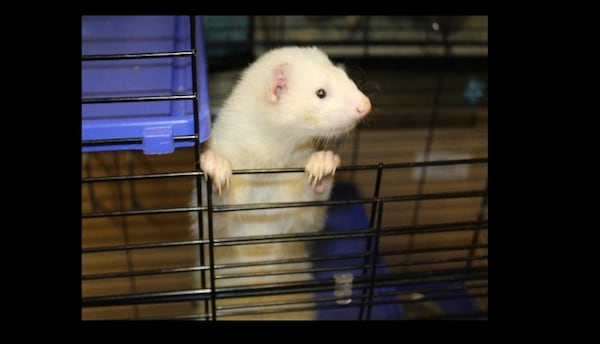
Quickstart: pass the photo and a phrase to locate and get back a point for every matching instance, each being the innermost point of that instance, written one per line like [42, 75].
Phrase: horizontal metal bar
[143, 298]
[358, 297]
[294, 237]
[454, 226]
[355, 233]
[359, 281]
[143, 212]
[142, 273]
[359, 41]
[321, 304]
[157, 272]
[164, 244]
[254, 274]
[290, 272]
[457, 316]
[433, 249]
[373, 167]
[433, 228]
[277, 289]
[235, 241]
[441, 195]
[262, 305]
[263, 309]
[428, 290]
[396, 25]
[141, 177]
[414, 262]
[404, 198]
[202, 316]
[223, 208]
[437, 163]
[133, 140]
[100, 57]
[136, 99]
[229, 241]
[431, 276]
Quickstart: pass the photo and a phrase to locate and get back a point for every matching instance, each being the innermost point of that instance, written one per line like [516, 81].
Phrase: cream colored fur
[271, 120]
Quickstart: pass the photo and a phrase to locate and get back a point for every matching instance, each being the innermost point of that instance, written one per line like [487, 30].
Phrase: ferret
[283, 104]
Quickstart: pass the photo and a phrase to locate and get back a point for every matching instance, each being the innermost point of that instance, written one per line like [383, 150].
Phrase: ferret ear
[341, 66]
[278, 82]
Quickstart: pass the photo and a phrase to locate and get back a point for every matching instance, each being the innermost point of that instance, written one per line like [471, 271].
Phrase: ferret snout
[363, 108]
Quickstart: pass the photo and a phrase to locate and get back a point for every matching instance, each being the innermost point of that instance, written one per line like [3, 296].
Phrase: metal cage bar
[366, 285]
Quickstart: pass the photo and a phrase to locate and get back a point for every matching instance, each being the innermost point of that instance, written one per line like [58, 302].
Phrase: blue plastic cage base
[154, 126]
[353, 217]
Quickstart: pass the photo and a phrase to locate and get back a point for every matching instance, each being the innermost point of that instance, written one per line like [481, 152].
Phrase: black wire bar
[136, 99]
[133, 140]
[157, 272]
[386, 231]
[405, 279]
[386, 280]
[279, 205]
[288, 170]
[301, 260]
[101, 57]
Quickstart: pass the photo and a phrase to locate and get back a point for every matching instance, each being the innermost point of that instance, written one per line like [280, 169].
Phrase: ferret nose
[364, 107]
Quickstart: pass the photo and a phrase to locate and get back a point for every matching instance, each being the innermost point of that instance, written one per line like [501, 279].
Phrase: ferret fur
[272, 119]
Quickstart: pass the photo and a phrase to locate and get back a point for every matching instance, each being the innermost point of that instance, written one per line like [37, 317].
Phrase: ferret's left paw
[218, 168]
[320, 165]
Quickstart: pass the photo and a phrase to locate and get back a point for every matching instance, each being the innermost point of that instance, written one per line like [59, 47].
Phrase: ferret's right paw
[320, 165]
[218, 168]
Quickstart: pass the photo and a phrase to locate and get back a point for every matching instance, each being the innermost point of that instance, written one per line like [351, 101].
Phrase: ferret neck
[262, 147]
[278, 150]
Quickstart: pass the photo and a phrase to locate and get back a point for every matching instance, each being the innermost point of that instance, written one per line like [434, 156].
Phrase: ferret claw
[314, 180]
[320, 165]
[217, 168]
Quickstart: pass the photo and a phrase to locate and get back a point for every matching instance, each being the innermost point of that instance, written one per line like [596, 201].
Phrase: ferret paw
[321, 164]
[217, 168]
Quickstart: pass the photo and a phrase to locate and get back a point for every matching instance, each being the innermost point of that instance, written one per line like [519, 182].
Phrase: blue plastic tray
[353, 217]
[155, 122]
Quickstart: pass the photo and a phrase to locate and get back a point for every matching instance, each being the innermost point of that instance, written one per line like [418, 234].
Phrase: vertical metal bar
[374, 257]
[211, 246]
[368, 247]
[354, 161]
[197, 150]
[430, 132]
[211, 260]
[196, 94]
[475, 239]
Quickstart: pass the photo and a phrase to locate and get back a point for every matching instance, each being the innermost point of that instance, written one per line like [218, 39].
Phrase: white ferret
[284, 102]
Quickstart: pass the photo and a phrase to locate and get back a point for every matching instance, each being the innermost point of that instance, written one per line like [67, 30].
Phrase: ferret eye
[321, 93]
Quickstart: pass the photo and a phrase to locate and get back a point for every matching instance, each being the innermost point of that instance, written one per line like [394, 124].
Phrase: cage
[406, 229]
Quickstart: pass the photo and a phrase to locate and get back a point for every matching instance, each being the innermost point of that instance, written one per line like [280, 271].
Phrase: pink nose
[363, 108]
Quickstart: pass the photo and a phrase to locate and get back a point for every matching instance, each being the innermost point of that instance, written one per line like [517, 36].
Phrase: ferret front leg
[218, 168]
[321, 164]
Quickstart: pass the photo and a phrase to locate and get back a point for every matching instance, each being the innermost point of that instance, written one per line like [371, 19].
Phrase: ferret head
[304, 93]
